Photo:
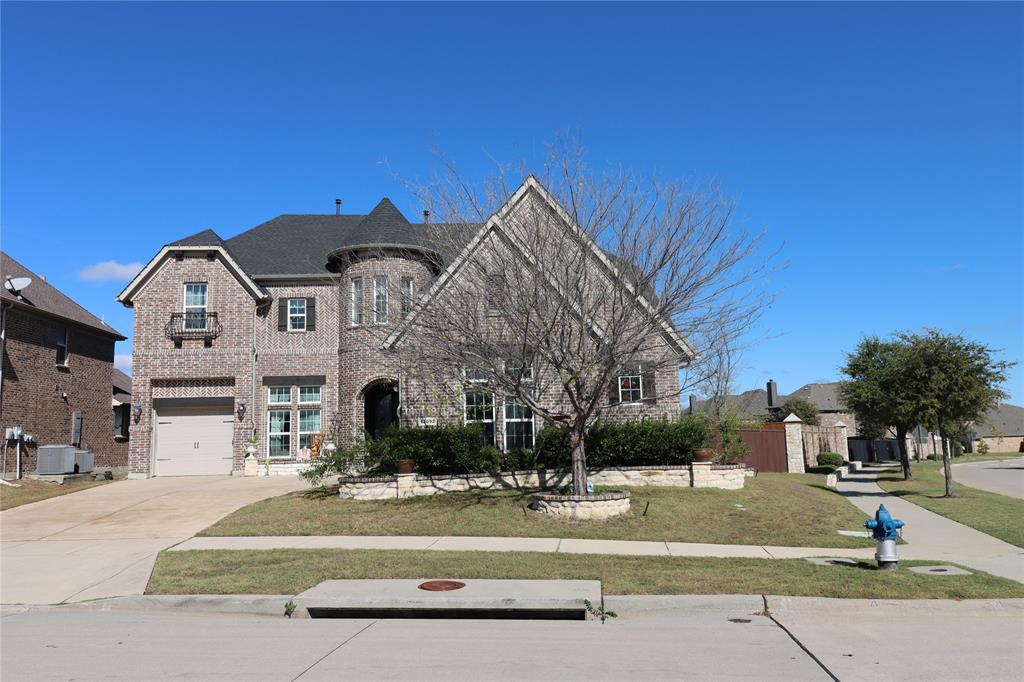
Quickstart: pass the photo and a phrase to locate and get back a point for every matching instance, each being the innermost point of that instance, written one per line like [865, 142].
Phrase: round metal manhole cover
[441, 585]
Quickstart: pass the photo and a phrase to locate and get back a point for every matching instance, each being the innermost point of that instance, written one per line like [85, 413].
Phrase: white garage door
[193, 441]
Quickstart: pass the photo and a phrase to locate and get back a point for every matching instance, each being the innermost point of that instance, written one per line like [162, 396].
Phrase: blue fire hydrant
[883, 529]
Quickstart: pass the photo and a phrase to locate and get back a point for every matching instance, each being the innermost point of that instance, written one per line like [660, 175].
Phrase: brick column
[844, 449]
[794, 444]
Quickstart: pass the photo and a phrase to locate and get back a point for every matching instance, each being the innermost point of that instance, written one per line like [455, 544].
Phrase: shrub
[551, 448]
[334, 463]
[830, 459]
[655, 442]
[446, 449]
[983, 448]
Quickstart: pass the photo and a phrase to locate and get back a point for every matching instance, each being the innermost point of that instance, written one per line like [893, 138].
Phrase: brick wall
[42, 398]
[348, 356]
[162, 369]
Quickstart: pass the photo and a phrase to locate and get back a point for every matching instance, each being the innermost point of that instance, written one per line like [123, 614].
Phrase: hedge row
[453, 449]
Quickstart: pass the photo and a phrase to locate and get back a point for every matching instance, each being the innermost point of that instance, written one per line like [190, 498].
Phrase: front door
[381, 409]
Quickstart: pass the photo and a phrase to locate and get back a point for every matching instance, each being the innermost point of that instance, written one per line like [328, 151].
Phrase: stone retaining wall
[698, 475]
[582, 507]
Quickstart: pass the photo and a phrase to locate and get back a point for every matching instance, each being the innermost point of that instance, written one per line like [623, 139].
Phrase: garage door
[194, 441]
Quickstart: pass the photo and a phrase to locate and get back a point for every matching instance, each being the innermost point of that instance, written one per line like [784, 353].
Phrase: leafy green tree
[801, 407]
[884, 389]
[959, 382]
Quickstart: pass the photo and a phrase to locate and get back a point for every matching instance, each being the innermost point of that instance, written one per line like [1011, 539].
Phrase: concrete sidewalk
[497, 544]
[931, 536]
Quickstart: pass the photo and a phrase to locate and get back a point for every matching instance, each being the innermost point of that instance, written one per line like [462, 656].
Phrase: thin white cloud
[110, 271]
[123, 362]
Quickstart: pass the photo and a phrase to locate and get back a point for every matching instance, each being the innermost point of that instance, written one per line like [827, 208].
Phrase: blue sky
[881, 143]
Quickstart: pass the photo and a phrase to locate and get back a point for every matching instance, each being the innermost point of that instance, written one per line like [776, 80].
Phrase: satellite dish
[16, 284]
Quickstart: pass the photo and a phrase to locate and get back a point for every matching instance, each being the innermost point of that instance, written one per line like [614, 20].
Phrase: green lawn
[282, 571]
[997, 515]
[773, 509]
[33, 491]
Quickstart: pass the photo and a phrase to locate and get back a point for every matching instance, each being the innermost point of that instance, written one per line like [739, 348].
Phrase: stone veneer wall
[703, 475]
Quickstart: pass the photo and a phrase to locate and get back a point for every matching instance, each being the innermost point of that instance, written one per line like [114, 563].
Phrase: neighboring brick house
[58, 364]
[1001, 429]
[289, 330]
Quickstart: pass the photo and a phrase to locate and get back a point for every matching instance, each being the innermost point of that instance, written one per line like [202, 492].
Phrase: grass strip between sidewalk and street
[998, 515]
[290, 571]
[794, 510]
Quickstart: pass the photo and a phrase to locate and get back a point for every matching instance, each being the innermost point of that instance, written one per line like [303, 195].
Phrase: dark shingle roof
[42, 296]
[204, 238]
[122, 384]
[823, 396]
[1005, 419]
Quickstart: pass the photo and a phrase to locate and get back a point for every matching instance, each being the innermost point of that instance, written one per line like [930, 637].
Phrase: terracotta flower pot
[703, 455]
[405, 466]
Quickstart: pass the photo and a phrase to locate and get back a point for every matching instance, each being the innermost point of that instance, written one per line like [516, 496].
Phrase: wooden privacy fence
[819, 439]
[767, 449]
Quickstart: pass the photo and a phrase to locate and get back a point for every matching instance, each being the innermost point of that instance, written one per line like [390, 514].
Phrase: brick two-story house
[288, 330]
[58, 382]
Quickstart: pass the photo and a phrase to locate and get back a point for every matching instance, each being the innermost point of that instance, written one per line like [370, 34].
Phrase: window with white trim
[518, 370]
[406, 296]
[479, 409]
[309, 426]
[518, 426]
[195, 305]
[631, 387]
[279, 395]
[380, 299]
[296, 314]
[279, 434]
[357, 300]
[474, 376]
[309, 395]
[62, 346]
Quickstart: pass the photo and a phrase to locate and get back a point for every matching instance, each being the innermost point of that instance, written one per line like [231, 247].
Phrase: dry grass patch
[283, 571]
[33, 491]
[773, 509]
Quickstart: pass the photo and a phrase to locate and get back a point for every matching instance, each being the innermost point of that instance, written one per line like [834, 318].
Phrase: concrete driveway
[1005, 477]
[102, 542]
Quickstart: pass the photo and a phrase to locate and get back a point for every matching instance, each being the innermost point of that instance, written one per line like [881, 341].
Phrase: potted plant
[703, 455]
[251, 448]
[405, 466]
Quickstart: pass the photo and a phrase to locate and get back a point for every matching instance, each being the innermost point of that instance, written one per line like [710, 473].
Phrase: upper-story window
[631, 387]
[195, 305]
[380, 299]
[62, 346]
[296, 314]
[475, 376]
[406, 296]
[357, 301]
[517, 370]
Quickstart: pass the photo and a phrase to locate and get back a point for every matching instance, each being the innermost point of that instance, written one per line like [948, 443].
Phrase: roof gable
[41, 296]
[494, 223]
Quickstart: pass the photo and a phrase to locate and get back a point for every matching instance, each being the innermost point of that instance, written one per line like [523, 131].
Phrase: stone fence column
[700, 475]
[404, 484]
[794, 444]
[843, 445]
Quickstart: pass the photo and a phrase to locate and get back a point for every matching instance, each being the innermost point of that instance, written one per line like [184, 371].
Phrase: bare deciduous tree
[577, 280]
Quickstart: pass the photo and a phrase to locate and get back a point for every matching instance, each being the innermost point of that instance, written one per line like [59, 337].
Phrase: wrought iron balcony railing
[193, 326]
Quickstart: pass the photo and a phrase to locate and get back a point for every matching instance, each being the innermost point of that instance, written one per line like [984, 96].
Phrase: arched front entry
[380, 407]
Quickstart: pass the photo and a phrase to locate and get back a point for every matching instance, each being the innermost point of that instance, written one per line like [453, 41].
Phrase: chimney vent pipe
[337, 207]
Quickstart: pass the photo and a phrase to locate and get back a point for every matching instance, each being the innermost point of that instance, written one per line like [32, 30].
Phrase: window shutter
[649, 384]
[282, 315]
[310, 314]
